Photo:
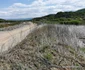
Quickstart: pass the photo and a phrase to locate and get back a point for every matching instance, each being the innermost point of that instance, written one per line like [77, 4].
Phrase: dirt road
[9, 39]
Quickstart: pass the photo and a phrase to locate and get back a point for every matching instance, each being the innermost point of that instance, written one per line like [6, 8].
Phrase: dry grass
[29, 54]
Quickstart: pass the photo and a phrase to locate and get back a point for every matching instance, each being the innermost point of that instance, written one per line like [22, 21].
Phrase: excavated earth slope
[48, 47]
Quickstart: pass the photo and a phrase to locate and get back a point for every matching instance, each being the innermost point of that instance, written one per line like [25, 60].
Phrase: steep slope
[49, 47]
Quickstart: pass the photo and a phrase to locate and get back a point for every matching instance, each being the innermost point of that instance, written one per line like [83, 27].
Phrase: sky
[14, 9]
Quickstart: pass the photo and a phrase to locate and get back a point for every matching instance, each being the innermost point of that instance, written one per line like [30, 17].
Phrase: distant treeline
[6, 23]
[74, 18]
[3, 20]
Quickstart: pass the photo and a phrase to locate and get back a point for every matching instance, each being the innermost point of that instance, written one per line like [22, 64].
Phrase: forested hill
[76, 17]
[81, 10]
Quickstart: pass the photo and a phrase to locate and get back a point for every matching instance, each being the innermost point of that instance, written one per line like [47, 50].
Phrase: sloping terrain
[48, 47]
[67, 17]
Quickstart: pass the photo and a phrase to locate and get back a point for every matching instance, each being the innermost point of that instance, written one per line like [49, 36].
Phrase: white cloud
[40, 8]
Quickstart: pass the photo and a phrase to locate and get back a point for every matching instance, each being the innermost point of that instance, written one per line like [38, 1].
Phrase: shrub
[48, 56]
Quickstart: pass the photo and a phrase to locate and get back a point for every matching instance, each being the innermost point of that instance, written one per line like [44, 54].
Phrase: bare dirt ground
[11, 38]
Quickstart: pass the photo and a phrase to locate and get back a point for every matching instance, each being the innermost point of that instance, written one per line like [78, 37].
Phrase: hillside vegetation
[74, 18]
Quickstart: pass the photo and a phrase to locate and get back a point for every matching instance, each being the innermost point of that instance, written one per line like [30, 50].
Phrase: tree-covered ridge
[81, 10]
[77, 17]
